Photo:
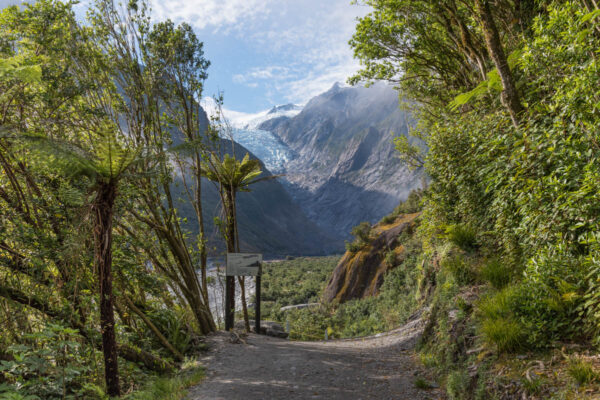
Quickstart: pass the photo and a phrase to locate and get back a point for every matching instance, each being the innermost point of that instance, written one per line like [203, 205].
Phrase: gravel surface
[264, 368]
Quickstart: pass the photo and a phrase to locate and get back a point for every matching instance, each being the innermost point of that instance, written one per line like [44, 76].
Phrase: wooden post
[229, 302]
[257, 303]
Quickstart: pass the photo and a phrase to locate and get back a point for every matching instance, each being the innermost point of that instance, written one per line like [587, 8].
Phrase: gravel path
[265, 368]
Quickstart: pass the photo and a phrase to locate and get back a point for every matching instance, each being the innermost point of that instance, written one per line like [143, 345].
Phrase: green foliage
[535, 385]
[463, 236]
[296, 281]
[362, 232]
[499, 325]
[302, 281]
[412, 204]
[362, 237]
[582, 371]
[170, 388]
[505, 333]
[50, 364]
[496, 273]
[421, 383]
[461, 269]
[457, 384]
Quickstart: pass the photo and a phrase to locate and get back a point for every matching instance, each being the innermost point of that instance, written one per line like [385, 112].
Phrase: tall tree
[510, 96]
[232, 176]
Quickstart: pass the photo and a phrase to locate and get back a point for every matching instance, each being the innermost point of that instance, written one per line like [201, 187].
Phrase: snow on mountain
[252, 121]
[272, 151]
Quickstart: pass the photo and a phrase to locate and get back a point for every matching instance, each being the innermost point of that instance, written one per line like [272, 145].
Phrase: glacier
[266, 146]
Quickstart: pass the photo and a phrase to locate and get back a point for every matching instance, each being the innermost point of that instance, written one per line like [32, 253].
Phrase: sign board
[243, 264]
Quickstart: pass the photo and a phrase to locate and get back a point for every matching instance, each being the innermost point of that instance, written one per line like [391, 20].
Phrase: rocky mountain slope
[269, 220]
[360, 274]
[345, 169]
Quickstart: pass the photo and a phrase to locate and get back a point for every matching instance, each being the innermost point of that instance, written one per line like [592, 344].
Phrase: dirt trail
[265, 368]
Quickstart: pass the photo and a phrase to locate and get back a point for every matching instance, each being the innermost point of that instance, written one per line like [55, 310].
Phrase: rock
[342, 141]
[299, 306]
[360, 274]
[269, 328]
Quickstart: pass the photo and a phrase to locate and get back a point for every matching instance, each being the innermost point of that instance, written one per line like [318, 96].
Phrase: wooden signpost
[242, 264]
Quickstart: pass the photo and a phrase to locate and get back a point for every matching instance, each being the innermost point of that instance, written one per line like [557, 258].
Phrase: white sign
[243, 264]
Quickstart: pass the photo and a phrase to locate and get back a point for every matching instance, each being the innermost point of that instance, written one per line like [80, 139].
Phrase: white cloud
[299, 48]
[211, 13]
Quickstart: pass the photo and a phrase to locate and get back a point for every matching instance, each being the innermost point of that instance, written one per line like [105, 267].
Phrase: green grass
[457, 385]
[170, 388]
[461, 269]
[496, 273]
[582, 371]
[505, 333]
[421, 383]
[462, 236]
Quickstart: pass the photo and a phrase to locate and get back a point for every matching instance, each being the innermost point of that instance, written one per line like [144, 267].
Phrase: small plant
[506, 333]
[388, 219]
[462, 236]
[391, 259]
[362, 232]
[496, 273]
[461, 270]
[457, 385]
[582, 371]
[412, 204]
[353, 247]
[534, 385]
[421, 383]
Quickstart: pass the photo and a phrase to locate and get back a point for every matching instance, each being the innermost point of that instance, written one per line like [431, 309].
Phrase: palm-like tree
[105, 162]
[233, 176]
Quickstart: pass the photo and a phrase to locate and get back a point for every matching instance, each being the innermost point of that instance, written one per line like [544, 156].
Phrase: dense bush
[291, 283]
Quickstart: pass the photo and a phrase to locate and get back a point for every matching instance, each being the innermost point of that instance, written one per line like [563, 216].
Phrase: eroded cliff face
[346, 169]
[360, 274]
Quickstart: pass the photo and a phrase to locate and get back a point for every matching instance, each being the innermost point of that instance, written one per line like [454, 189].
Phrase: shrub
[353, 247]
[457, 385]
[496, 273]
[390, 258]
[462, 236]
[421, 383]
[388, 219]
[582, 371]
[362, 232]
[412, 204]
[499, 324]
[506, 333]
[461, 270]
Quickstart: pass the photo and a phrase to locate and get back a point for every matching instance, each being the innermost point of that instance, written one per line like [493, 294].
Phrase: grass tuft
[505, 333]
[496, 273]
[421, 383]
[582, 371]
[170, 388]
[462, 236]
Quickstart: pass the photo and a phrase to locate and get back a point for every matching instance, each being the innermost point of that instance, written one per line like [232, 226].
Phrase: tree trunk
[201, 238]
[229, 280]
[103, 212]
[510, 96]
[241, 279]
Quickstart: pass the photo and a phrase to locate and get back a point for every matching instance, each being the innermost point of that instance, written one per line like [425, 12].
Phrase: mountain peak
[284, 108]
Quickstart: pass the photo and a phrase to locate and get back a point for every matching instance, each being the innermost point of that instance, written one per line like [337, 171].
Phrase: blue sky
[267, 52]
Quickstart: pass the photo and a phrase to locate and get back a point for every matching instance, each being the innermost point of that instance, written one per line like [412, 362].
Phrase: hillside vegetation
[506, 97]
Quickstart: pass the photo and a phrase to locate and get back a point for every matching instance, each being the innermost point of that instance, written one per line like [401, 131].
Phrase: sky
[266, 52]
[270, 52]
